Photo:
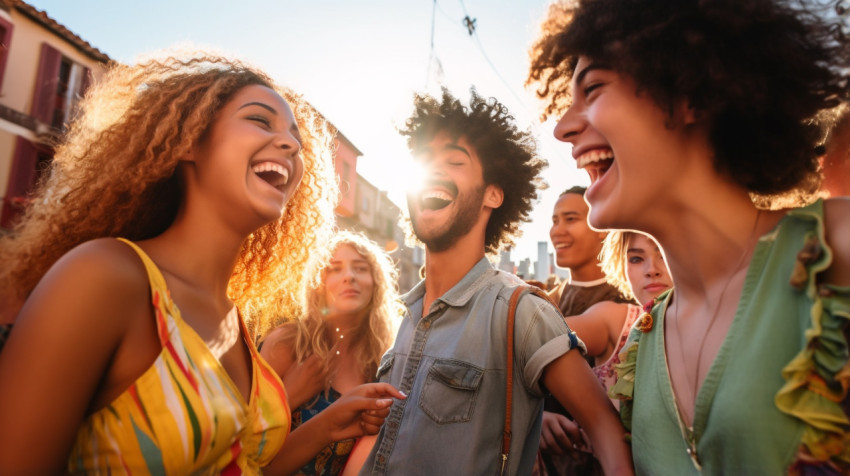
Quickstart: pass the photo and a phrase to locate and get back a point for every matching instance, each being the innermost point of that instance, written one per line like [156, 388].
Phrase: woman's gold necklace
[688, 431]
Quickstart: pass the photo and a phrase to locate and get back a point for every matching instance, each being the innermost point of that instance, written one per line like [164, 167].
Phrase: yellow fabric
[184, 415]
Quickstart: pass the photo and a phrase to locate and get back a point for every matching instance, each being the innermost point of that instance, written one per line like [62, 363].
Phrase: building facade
[44, 70]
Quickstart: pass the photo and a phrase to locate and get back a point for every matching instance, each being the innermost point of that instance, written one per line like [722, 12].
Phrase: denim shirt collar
[461, 292]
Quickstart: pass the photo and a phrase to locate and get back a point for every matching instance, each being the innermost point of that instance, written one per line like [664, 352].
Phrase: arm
[65, 339]
[302, 380]
[359, 454]
[599, 327]
[572, 383]
[359, 412]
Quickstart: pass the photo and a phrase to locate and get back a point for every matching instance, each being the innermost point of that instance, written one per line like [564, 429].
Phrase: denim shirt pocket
[449, 392]
[384, 367]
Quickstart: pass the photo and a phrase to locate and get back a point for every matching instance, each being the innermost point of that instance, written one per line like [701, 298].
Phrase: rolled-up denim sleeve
[541, 336]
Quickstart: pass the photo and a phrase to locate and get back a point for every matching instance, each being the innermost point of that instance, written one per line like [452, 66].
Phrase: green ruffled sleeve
[818, 378]
[624, 388]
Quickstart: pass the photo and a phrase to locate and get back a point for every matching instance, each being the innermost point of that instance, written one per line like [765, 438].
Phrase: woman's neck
[707, 238]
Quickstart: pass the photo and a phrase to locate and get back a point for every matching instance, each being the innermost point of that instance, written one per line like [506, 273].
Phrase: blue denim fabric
[451, 364]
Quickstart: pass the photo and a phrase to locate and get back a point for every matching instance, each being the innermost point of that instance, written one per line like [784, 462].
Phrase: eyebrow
[635, 250]
[355, 260]
[450, 146]
[581, 74]
[458, 148]
[264, 106]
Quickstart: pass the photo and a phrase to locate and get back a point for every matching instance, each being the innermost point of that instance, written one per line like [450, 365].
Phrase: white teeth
[560, 245]
[593, 156]
[271, 167]
[437, 194]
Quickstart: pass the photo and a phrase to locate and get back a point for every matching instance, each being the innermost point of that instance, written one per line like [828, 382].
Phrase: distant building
[542, 268]
[524, 269]
[44, 70]
[505, 263]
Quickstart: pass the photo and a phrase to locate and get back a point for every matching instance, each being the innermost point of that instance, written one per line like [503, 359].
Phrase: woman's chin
[597, 218]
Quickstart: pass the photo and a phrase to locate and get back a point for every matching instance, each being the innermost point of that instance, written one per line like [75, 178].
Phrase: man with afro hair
[480, 177]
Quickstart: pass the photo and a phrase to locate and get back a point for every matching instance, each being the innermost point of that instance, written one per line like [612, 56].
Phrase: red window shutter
[85, 83]
[21, 180]
[44, 97]
[6, 40]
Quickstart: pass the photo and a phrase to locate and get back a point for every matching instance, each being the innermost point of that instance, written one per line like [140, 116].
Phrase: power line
[431, 54]
[470, 24]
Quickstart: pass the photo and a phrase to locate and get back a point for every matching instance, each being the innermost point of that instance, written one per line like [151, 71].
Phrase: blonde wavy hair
[114, 175]
[613, 259]
[375, 334]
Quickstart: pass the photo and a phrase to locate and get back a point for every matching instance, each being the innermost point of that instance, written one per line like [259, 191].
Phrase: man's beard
[468, 207]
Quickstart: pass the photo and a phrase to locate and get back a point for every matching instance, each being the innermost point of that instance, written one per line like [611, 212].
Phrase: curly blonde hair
[114, 175]
[375, 334]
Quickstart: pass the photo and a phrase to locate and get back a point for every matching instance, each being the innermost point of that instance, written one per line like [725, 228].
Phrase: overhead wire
[473, 32]
[431, 55]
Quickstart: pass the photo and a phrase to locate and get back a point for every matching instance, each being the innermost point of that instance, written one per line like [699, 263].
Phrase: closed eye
[591, 87]
[261, 119]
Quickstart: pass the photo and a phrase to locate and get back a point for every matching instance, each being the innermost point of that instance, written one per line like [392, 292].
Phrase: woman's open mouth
[596, 162]
[272, 173]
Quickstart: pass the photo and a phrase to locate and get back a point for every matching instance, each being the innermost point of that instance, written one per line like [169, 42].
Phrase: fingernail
[402, 393]
[385, 402]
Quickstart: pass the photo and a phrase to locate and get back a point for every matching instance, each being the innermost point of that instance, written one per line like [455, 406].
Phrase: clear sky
[358, 61]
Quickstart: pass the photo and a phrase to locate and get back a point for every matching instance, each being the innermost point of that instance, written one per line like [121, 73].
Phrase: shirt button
[426, 325]
[381, 459]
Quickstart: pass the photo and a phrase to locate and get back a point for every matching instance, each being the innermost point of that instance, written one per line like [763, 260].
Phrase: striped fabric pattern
[184, 415]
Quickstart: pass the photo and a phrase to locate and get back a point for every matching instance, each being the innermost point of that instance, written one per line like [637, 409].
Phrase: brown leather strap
[509, 368]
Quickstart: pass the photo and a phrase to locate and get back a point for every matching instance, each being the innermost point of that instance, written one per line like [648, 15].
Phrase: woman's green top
[775, 400]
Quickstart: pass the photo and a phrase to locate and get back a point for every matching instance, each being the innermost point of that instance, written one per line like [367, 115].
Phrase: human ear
[494, 196]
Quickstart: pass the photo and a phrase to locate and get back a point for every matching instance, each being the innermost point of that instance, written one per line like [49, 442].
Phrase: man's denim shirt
[451, 364]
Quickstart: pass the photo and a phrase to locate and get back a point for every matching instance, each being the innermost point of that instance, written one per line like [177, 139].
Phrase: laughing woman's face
[623, 140]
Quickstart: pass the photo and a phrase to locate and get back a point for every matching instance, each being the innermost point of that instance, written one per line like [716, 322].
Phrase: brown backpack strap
[509, 368]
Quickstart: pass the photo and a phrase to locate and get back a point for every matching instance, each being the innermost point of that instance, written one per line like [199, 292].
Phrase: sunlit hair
[755, 71]
[614, 258]
[308, 335]
[508, 156]
[114, 174]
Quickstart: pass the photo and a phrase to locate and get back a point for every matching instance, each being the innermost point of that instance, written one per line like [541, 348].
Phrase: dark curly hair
[508, 156]
[756, 71]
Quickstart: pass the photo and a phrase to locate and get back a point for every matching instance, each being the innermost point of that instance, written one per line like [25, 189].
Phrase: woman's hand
[361, 411]
[560, 435]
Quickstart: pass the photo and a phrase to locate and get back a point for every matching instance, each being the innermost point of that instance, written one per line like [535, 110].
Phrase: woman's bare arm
[60, 352]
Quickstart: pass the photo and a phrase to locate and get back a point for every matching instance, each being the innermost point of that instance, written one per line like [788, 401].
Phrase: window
[59, 86]
[5, 40]
[365, 205]
[28, 163]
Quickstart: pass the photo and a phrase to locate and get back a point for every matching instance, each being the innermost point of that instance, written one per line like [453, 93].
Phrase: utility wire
[431, 54]
[472, 31]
